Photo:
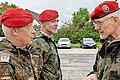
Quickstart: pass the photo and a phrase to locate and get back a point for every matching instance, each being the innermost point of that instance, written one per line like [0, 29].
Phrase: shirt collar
[46, 34]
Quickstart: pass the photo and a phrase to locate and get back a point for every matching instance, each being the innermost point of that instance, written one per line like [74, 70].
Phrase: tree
[79, 28]
[80, 17]
[3, 8]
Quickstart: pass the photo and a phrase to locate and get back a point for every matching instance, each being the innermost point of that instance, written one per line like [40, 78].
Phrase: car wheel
[94, 47]
[58, 47]
[80, 46]
[83, 47]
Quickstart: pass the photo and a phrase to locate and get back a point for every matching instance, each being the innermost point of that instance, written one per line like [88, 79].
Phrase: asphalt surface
[76, 63]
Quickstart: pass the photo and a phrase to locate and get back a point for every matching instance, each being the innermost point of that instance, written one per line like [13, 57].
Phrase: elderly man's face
[105, 26]
[25, 34]
[51, 26]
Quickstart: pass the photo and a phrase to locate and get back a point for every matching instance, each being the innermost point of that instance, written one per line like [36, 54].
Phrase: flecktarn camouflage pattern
[18, 64]
[107, 64]
[51, 61]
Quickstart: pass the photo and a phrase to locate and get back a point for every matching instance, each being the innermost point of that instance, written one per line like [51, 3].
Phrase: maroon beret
[16, 18]
[104, 9]
[48, 15]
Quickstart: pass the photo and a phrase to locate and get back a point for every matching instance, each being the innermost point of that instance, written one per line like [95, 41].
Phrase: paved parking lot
[76, 63]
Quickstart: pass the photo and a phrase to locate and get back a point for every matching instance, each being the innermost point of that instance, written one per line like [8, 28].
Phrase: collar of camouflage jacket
[114, 43]
[5, 45]
[108, 46]
[41, 33]
[49, 36]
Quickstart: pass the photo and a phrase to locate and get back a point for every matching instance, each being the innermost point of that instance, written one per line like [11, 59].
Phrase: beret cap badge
[105, 8]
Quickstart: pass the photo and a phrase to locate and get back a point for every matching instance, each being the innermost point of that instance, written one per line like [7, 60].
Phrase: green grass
[77, 45]
[98, 44]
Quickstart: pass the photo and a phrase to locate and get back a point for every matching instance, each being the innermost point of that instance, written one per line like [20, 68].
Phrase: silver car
[64, 43]
[88, 43]
[1, 38]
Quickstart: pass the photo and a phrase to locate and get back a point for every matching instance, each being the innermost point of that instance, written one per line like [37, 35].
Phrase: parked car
[1, 38]
[64, 43]
[88, 43]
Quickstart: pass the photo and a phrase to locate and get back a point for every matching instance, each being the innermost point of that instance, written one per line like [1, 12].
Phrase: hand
[91, 77]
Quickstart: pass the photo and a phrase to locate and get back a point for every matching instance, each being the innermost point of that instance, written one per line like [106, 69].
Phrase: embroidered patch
[6, 71]
[105, 8]
[4, 56]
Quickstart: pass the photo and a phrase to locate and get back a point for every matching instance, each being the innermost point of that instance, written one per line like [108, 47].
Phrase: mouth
[54, 28]
[101, 32]
[32, 38]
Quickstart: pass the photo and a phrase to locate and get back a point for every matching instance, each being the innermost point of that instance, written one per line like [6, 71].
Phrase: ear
[116, 19]
[43, 24]
[14, 31]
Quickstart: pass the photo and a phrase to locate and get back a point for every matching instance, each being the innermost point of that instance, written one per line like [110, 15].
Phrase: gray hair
[118, 12]
[115, 14]
[6, 30]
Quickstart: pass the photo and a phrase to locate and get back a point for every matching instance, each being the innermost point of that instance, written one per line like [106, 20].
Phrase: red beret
[104, 9]
[48, 15]
[16, 18]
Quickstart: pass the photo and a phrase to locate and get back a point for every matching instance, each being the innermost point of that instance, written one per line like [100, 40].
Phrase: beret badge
[105, 8]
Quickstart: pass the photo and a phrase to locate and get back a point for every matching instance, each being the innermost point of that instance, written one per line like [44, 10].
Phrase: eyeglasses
[100, 22]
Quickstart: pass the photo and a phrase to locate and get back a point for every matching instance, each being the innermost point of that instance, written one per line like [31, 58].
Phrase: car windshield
[87, 40]
[64, 40]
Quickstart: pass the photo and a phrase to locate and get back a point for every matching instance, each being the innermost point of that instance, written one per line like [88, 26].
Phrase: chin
[29, 42]
[103, 37]
[54, 30]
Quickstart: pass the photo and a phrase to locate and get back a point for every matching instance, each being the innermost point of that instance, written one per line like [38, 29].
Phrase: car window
[64, 43]
[64, 40]
[88, 40]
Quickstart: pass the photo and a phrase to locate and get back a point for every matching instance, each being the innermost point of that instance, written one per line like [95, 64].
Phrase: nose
[56, 23]
[96, 27]
[33, 31]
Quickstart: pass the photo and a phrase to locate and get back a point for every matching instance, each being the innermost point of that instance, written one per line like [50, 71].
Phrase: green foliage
[79, 28]
[1, 32]
[64, 32]
[99, 44]
[36, 27]
[75, 45]
[80, 17]
[3, 8]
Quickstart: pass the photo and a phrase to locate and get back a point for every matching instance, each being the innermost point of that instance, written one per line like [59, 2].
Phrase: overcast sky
[65, 7]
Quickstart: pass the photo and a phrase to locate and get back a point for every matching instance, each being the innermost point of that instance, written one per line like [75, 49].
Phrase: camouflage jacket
[18, 64]
[51, 61]
[107, 64]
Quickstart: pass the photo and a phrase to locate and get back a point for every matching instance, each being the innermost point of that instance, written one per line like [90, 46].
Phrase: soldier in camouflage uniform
[17, 61]
[46, 47]
[106, 20]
